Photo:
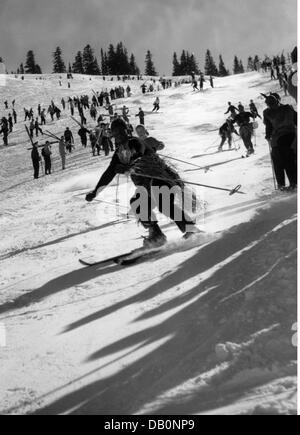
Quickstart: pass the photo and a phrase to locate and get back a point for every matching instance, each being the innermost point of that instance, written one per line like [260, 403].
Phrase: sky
[227, 27]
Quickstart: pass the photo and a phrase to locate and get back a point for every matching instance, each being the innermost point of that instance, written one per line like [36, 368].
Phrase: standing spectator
[141, 116]
[69, 139]
[46, 153]
[62, 152]
[35, 157]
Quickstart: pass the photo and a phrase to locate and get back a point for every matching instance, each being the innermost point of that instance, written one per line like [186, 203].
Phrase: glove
[90, 196]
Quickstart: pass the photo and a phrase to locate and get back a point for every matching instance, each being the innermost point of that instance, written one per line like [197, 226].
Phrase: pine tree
[183, 63]
[78, 64]
[210, 66]
[193, 66]
[256, 62]
[241, 67]
[30, 63]
[223, 72]
[111, 60]
[150, 69]
[38, 69]
[176, 66]
[104, 63]
[133, 66]
[250, 66]
[59, 66]
[236, 65]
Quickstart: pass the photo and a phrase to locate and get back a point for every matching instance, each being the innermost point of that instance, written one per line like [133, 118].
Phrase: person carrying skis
[144, 166]
[246, 129]
[151, 142]
[253, 110]
[225, 132]
[281, 121]
[232, 109]
[46, 153]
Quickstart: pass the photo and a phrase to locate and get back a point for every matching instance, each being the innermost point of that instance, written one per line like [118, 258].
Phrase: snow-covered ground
[205, 330]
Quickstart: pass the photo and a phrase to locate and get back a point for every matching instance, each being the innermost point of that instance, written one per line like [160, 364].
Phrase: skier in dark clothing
[15, 116]
[211, 81]
[232, 109]
[69, 139]
[202, 80]
[151, 142]
[4, 130]
[35, 157]
[141, 115]
[10, 123]
[144, 165]
[46, 153]
[37, 127]
[83, 136]
[253, 110]
[241, 107]
[225, 132]
[281, 122]
[246, 129]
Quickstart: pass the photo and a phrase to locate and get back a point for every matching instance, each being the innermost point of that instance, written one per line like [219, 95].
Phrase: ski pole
[231, 191]
[182, 161]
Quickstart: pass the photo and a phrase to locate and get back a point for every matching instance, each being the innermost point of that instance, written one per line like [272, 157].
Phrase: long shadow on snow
[206, 258]
[191, 335]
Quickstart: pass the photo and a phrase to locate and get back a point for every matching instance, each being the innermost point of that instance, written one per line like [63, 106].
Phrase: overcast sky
[230, 27]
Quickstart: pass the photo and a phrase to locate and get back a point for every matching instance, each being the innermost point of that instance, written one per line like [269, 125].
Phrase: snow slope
[205, 330]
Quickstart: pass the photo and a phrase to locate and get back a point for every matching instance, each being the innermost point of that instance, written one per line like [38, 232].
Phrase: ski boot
[193, 231]
[156, 237]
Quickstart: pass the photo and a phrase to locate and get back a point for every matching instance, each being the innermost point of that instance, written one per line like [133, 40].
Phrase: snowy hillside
[206, 328]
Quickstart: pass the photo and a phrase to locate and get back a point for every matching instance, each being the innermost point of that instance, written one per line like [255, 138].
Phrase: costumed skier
[144, 166]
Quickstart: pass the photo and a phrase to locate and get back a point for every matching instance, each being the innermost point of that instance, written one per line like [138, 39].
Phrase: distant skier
[246, 129]
[35, 157]
[225, 132]
[141, 116]
[202, 81]
[69, 139]
[151, 142]
[83, 132]
[253, 110]
[281, 122]
[211, 80]
[15, 116]
[125, 112]
[4, 130]
[195, 85]
[156, 105]
[37, 127]
[46, 153]
[232, 110]
[241, 108]
[10, 123]
[144, 165]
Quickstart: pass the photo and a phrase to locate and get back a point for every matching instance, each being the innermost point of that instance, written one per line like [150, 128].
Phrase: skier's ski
[91, 261]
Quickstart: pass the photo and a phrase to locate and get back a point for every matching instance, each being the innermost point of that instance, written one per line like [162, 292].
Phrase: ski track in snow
[205, 330]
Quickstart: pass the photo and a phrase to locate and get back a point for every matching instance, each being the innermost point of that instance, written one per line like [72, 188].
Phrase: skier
[281, 122]
[62, 152]
[141, 116]
[211, 81]
[35, 157]
[63, 103]
[83, 136]
[31, 128]
[4, 130]
[225, 132]
[232, 109]
[46, 153]
[43, 117]
[6, 104]
[246, 129]
[156, 105]
[144, 165]
[37, 127]
[253, 110]
[94, 143]
[69, 139]
[272, 74]
[202, 80]
[195, 85]
[125, 112]
[14, 113]
[241, 108]
[10, 123]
